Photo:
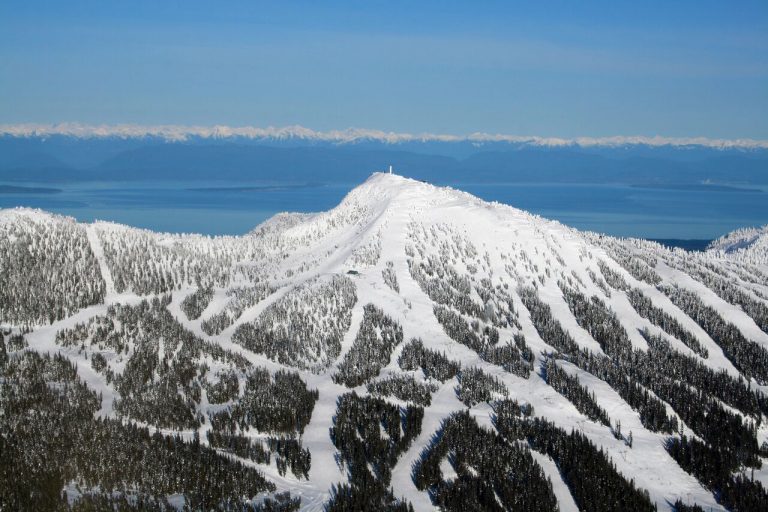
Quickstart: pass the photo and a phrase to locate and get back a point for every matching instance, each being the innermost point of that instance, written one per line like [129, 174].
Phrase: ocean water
[219, 208]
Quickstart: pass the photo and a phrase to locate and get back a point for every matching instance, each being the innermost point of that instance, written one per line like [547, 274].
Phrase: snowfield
[482, 285]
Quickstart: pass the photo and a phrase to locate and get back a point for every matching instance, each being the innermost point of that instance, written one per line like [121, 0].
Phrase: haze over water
[223, 209]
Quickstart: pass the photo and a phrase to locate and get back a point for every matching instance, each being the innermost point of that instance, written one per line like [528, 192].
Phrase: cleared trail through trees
[98, 251]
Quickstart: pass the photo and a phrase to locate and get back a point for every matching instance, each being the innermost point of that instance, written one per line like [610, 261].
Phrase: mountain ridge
[66, 158]
[353, 135]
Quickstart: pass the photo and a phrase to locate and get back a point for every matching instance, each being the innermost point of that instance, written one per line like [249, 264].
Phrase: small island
[15, 189]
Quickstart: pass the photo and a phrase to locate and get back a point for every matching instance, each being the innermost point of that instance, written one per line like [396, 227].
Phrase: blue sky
[554, 69]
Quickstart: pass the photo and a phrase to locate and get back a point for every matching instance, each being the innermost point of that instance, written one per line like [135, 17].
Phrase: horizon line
[181, 133]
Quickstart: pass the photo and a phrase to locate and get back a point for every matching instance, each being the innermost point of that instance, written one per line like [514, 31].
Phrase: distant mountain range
[74, 153]
[301, 134]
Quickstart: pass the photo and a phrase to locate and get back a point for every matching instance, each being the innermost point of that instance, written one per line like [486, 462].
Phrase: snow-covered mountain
[747, 244]
[412, 347]
[350, 135]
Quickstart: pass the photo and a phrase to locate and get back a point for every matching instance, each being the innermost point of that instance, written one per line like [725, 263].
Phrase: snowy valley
[412, 348]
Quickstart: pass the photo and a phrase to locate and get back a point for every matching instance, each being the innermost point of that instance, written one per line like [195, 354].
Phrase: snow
[98, 251]
[739, 240]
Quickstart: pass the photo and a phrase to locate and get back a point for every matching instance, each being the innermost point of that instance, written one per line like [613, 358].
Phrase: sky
[554, 69]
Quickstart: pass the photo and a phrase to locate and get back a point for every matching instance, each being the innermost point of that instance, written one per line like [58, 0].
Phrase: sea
[679, 216]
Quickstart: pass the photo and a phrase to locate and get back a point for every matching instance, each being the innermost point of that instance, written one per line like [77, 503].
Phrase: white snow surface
[748, 244]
